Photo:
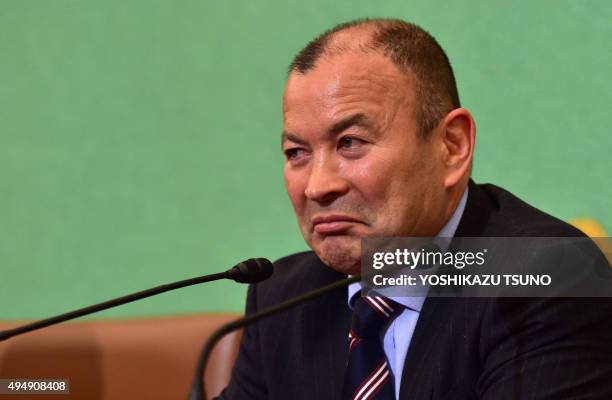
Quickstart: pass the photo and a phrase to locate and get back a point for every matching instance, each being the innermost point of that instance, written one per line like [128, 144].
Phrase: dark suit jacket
[462, 348]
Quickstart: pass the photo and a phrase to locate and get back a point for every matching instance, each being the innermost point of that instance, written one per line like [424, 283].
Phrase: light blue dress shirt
[396, 338]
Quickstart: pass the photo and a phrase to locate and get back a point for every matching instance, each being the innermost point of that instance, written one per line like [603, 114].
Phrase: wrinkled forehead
[344, 79]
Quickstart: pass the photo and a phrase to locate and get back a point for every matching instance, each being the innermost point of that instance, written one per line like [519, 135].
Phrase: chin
[340, 254]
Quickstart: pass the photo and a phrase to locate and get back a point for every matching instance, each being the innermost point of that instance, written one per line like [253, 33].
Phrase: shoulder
[501, 213]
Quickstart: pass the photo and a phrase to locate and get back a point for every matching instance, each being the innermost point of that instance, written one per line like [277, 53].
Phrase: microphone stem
[198, 391]
[110, 304]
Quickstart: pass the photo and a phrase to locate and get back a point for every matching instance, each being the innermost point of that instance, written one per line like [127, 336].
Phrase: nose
[325, 182]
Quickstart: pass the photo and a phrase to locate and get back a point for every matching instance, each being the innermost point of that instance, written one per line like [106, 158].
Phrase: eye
[293, 153]
[349, 143]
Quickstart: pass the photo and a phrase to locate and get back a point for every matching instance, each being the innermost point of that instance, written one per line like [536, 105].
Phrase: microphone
[252, 270]
[198, 391]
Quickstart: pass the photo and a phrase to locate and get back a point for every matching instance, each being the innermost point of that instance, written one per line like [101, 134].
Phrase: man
[377, 144]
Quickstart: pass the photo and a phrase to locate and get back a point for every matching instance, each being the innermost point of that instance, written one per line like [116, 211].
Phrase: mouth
[333, 224]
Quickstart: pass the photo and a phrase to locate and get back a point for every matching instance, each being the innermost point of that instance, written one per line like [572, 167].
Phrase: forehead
[344, 81]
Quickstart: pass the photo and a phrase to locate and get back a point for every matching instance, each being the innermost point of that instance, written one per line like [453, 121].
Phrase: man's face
[355, 165]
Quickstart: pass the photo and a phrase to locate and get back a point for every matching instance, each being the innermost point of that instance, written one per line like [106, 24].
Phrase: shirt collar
[448, 231]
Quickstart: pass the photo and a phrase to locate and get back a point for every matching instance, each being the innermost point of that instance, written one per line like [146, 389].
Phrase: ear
[458, 139]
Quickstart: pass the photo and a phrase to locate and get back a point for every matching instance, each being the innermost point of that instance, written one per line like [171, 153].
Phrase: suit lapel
[433, 324]
[326, 346]
[429, 325]
[325, 323]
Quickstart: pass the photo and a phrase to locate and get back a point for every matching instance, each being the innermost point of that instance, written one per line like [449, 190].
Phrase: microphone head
[252, 270]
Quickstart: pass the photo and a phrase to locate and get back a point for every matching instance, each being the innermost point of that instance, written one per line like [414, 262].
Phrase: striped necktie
[367, 375]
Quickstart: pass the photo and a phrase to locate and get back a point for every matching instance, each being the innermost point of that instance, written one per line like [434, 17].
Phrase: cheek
[372, 177]
[387, 183]
[294, 184]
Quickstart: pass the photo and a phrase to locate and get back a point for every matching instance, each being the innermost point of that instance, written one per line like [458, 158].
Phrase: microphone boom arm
[249, 271]
[109, 304]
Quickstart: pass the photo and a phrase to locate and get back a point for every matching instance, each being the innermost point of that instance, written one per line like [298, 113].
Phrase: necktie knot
[371, 314]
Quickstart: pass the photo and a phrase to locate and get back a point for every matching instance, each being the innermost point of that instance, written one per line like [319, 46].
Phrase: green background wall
[139, 140]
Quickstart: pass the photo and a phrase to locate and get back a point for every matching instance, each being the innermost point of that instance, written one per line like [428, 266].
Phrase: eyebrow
[287, 136]
[358, 119]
